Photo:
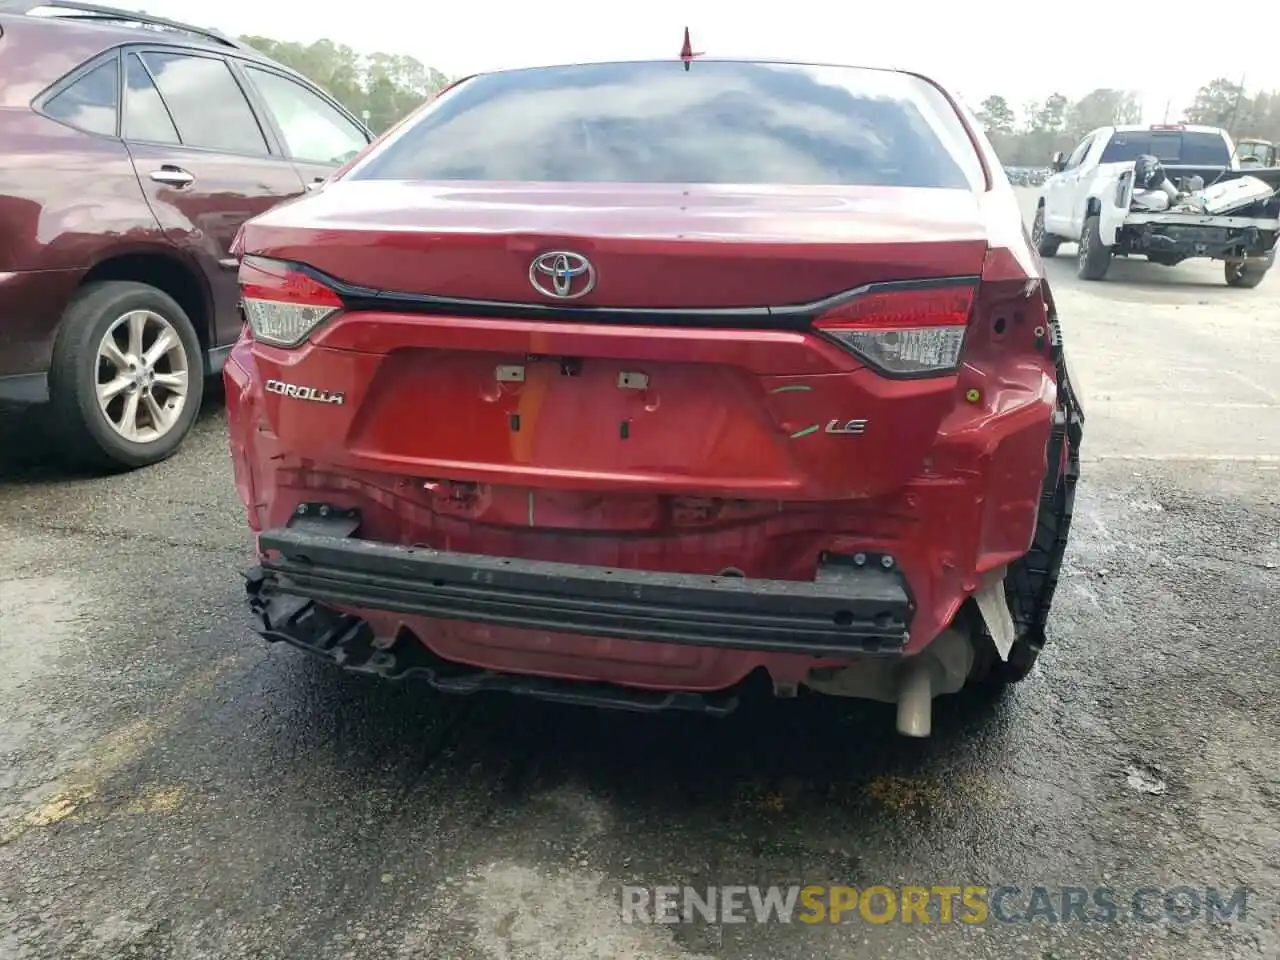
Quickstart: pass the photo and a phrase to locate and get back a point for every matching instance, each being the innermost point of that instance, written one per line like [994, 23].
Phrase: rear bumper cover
[855, 606]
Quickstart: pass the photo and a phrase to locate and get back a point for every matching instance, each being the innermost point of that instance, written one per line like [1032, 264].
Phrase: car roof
[81, 31]
[122, 22]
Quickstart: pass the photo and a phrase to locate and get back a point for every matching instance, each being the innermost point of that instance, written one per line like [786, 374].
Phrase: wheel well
[165, 273]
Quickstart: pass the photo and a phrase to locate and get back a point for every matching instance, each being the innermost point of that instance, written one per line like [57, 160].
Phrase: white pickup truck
[1211, 206]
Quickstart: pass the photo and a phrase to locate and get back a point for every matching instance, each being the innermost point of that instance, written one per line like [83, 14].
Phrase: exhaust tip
[915, 700]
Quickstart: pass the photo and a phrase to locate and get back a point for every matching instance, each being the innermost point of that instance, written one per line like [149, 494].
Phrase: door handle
[316, 184]
[173, 176]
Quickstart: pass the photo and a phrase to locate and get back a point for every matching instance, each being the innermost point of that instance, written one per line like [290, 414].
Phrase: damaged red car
[642, 384]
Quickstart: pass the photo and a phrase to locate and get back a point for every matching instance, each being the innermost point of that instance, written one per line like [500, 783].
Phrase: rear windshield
[718, 122]
[1169, 146]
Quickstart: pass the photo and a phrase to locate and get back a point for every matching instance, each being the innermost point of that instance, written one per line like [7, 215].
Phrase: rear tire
[1046, 244]
[990, 672]
[1093, 259]
[1241, 275]
[127, 376]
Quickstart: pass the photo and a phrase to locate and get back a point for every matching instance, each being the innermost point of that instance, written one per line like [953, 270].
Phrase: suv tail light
[906, 332]
[282, 305]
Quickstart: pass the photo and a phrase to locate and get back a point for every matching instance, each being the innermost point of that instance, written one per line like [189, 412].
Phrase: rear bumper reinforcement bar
[848, 609]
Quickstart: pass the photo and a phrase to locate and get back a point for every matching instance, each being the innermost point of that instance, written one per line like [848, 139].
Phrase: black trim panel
[216, 359]
[25, 388]
[778, 317]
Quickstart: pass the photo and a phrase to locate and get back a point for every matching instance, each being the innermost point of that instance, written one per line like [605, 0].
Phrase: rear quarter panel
[63, 193]
[64, 196]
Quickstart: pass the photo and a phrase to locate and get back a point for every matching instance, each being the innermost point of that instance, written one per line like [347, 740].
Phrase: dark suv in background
[134, 148]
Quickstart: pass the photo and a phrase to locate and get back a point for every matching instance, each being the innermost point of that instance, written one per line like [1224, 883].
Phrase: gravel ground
[172, 788]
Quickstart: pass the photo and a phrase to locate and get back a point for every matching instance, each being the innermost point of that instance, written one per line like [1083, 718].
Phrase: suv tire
[1241, 275]
[1046, 243]
[1093, 259]
[149, 373]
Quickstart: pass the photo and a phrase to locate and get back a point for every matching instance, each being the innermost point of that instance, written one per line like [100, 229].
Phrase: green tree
[395, 85]
[384, 86]
[996, 116]
[1220, 103]
[1051, 116]
[1264, 117]
[1103, 107]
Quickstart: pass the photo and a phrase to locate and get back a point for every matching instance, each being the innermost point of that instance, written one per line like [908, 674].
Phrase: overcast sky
[1023, 50]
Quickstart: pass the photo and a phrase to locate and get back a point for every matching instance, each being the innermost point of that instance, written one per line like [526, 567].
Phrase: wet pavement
[171, 787]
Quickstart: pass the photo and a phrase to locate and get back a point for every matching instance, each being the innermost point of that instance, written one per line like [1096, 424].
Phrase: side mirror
[1059, 162]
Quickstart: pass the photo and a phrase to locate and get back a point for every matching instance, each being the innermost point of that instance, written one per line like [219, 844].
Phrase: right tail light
[907, 332]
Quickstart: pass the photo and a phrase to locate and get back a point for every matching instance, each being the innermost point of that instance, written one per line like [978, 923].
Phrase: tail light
[905, 332]
[282, 305]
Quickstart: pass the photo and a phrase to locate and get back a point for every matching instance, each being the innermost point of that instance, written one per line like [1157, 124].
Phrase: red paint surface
[709, 475]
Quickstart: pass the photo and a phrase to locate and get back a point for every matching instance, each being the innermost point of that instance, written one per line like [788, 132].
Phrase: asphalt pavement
[171, 787]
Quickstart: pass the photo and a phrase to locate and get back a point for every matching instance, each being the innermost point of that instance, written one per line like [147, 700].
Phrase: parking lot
[171, 787]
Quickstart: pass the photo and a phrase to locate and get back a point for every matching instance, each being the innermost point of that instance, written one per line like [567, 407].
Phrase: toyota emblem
[562, 275]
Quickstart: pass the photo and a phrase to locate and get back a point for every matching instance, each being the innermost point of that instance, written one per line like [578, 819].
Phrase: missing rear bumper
[848, 609]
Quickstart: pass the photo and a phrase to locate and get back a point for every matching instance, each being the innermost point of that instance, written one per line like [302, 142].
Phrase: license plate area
[629, 419]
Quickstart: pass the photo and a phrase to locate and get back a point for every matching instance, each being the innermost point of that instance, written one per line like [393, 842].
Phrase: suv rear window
[719, 122]
[91, 102]
[1190, 149]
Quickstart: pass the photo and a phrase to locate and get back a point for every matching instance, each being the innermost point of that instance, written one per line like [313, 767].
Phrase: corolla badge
[562, 274]
[296, 392]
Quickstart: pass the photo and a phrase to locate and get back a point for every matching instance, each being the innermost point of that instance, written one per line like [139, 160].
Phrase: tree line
[1029, 137]
[383, 87]
[378, 87]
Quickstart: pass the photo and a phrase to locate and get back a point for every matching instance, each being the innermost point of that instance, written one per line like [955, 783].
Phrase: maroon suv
[134, 148]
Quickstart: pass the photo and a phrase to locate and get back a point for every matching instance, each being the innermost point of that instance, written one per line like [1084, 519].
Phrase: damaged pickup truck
[1168, 193]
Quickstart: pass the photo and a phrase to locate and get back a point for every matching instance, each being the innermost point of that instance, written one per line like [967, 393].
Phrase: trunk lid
[652, 246]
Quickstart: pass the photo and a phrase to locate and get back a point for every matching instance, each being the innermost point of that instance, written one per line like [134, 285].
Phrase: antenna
[686, 52]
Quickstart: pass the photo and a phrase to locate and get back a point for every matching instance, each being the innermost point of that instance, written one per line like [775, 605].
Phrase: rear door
[204, 161]
[317, 134]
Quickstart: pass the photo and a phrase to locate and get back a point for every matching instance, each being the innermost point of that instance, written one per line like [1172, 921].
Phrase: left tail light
[282, 305]
[904, 332]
